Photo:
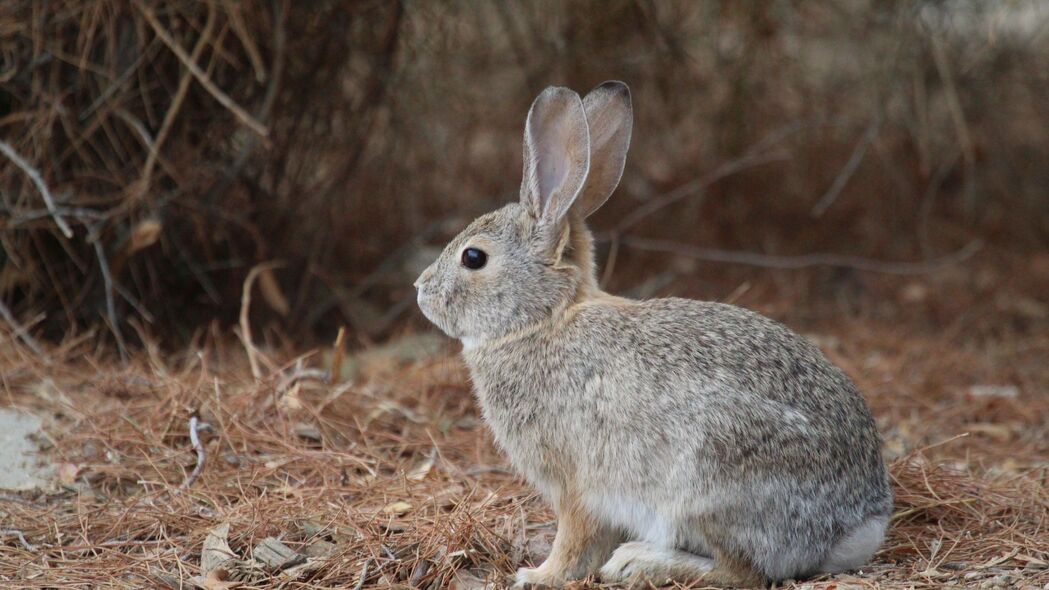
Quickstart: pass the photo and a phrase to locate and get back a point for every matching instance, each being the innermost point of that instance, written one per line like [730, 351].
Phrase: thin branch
[696, 186]
[79, 213]
[38, 180]
[176, 102]
[22, 333]
[111, 308]
[961, 126]
[364, 575]
[804, 261]
[249, 121]
[849, 169]
[194, 438]
[756, 155]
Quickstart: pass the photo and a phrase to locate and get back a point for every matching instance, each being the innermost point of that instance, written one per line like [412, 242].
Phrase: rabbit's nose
[421, 281]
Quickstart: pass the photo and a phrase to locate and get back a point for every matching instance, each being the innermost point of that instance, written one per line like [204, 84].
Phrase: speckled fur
[716, 443]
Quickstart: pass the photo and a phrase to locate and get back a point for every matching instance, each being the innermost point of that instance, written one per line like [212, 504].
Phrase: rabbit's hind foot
[638, 564]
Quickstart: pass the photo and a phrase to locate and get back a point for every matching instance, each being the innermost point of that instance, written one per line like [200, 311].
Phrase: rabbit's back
[668, 408]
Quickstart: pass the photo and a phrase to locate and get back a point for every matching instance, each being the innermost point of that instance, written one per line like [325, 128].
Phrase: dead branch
[240, 29]
[38, 180]
[849, 169]
[194, 438]
[22, 333]
[803, 261]
[245, 311]
[249, 121]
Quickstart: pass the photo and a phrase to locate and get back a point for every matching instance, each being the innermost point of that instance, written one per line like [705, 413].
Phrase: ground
[386, 475]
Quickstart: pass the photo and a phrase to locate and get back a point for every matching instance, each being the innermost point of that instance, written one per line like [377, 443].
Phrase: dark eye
[474, 259]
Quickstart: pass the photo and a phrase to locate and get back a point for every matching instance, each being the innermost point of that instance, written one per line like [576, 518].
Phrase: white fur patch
[632, 515]
[471, 342]
[857, 547]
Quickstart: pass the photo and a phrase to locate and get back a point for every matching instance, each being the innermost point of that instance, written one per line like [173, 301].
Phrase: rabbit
[676, 440]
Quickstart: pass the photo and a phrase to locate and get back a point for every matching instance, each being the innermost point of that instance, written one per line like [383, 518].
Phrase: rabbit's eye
[474, 259]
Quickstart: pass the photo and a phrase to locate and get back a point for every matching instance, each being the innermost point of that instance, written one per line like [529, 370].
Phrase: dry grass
[392, 476]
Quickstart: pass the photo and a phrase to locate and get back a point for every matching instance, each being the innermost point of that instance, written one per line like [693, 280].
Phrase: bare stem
[803, 261]
[194, 438]
[38, 180]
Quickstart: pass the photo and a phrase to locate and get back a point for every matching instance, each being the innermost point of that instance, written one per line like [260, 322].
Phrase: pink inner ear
[553, 167]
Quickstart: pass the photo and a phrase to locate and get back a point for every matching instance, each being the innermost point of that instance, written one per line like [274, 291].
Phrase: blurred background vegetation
[789, 150]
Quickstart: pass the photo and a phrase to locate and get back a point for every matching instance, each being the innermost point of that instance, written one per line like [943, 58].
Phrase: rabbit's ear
[610, 119]
[556, 157]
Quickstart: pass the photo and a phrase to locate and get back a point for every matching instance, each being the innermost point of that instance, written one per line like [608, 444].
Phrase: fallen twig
[21, 538]
[364, 575]
[194, 438]
[301, 373]
[38, 180]
[803, 261]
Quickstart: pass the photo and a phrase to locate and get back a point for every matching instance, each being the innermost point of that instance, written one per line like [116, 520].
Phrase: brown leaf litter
[392, 480]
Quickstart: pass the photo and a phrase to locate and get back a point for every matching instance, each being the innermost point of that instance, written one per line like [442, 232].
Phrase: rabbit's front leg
[581, 546]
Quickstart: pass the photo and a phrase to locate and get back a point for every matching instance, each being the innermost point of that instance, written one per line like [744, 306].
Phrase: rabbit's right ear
[556, 158]
[610, 119]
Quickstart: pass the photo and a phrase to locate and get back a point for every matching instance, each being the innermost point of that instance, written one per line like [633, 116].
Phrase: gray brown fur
[675, 439]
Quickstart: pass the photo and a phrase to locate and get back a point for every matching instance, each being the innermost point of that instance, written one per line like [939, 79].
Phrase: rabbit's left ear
[610, 119]
[556, 157]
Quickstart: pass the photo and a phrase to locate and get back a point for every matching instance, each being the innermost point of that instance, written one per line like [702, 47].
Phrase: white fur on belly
[632, 515]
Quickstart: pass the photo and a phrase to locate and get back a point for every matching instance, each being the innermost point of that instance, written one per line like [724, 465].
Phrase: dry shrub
[907, 126]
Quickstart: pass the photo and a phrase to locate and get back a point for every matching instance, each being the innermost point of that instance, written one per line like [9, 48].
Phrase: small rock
[19, 468]
[307, 431]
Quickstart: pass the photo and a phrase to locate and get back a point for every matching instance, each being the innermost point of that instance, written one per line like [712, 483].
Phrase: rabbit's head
[515, 266]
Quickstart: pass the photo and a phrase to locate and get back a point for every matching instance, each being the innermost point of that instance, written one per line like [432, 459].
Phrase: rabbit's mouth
[422, 298]
[425, 299]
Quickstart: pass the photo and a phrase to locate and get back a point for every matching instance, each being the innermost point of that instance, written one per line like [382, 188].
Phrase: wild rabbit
[676, 440]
